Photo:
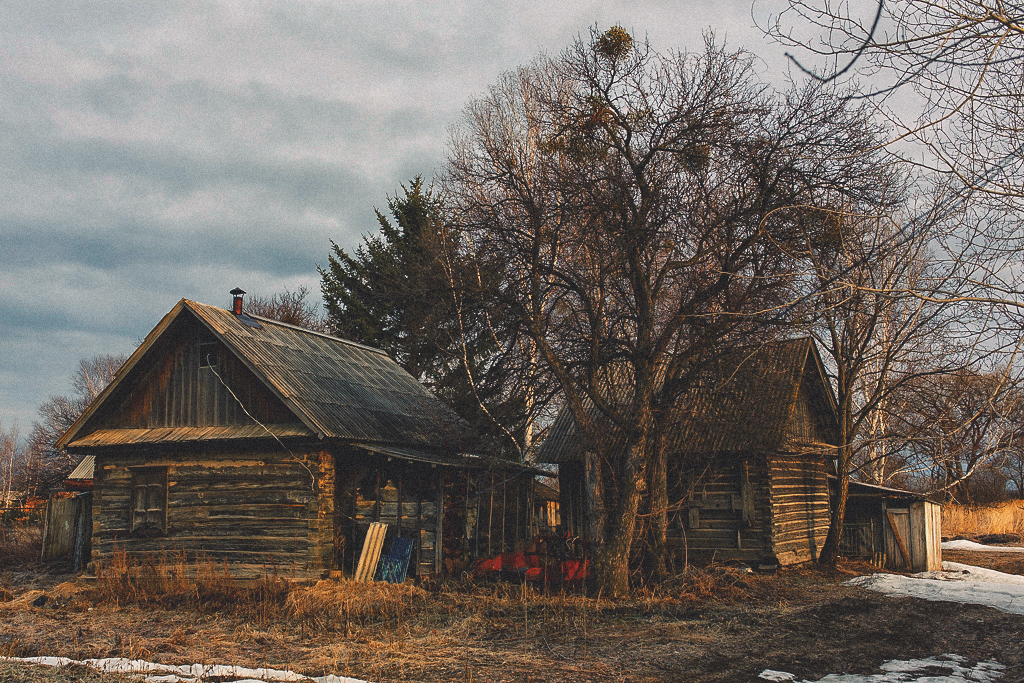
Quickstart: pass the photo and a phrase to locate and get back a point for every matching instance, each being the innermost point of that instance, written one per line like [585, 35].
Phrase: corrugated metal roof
[339, 388]
[85, 469]
[336, 388]
[859, 488]
[741, 401]
[467, 460]
[411, 454]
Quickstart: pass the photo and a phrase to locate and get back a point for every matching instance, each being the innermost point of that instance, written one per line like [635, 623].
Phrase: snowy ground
[955, 583]
[167, 673]
[941, 669]
[978, 547]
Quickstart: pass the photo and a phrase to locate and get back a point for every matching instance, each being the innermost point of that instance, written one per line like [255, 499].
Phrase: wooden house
[892, 528]
[749, 456]
[270, 447]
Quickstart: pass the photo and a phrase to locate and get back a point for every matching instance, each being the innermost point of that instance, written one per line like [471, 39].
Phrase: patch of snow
[978, 547]
[910, 671]
[954, 571]
[956, 583]
[169, 673]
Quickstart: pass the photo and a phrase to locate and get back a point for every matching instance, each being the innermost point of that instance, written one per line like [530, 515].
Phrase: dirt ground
[716, 627]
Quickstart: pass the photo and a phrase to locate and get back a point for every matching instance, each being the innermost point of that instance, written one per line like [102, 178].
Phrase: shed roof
[743, 400]
[336, 389]
[85, 469]
[860, 489]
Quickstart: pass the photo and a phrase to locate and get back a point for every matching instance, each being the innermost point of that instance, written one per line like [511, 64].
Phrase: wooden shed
[67, 526]
[892, 528]
[748, 464]
[270, 447]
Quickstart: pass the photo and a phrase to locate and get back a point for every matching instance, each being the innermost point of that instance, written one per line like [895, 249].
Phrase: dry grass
[345, 605]
[705, 625]
[28, 673]
[20, 544]
[178, 579]
[1004, 519]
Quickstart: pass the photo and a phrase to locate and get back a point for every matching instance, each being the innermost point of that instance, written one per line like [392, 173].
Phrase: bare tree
[962, 428]
[1013, 467]
[889, 317]
[950, 69]
[42, 464]
[10, 461]
[288, 307]
[641, 210]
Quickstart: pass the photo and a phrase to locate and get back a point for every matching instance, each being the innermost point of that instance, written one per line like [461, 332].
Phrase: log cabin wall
[727, 515]
[258, 511]
[799, 506]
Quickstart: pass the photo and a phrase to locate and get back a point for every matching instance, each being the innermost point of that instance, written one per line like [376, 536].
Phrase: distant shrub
[21, 542]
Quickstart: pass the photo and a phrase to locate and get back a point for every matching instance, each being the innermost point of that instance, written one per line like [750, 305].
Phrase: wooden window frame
[149, 490]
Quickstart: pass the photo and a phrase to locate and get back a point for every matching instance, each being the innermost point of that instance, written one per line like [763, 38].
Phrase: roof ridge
[297, 328]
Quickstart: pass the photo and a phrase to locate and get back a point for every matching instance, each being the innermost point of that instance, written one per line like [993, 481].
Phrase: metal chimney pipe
[236, 302]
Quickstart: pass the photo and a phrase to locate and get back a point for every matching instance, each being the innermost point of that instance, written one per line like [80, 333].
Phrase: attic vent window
[208, 355]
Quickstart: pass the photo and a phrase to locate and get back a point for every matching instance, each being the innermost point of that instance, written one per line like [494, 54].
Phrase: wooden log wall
[726, 518]
[259, 512]
[800, 506]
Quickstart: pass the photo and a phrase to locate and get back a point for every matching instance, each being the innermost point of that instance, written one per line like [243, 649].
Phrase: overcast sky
[154, 151]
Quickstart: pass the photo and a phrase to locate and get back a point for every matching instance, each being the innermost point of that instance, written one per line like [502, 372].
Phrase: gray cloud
[154, 151]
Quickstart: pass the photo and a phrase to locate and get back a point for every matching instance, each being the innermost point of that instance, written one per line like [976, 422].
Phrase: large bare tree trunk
[830, 550]
[611, 564]
[655, 554]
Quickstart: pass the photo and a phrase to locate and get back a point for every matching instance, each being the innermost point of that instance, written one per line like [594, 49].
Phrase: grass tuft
[343, 605]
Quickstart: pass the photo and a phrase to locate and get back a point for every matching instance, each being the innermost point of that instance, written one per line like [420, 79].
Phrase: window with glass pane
[149, 499]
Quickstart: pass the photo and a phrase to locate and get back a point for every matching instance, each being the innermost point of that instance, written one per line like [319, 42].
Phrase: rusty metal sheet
[117, 437]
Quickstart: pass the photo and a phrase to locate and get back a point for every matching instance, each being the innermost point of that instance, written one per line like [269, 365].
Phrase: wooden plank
[59, 528]
[439, 526]
[371, 551]
[899, 539]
